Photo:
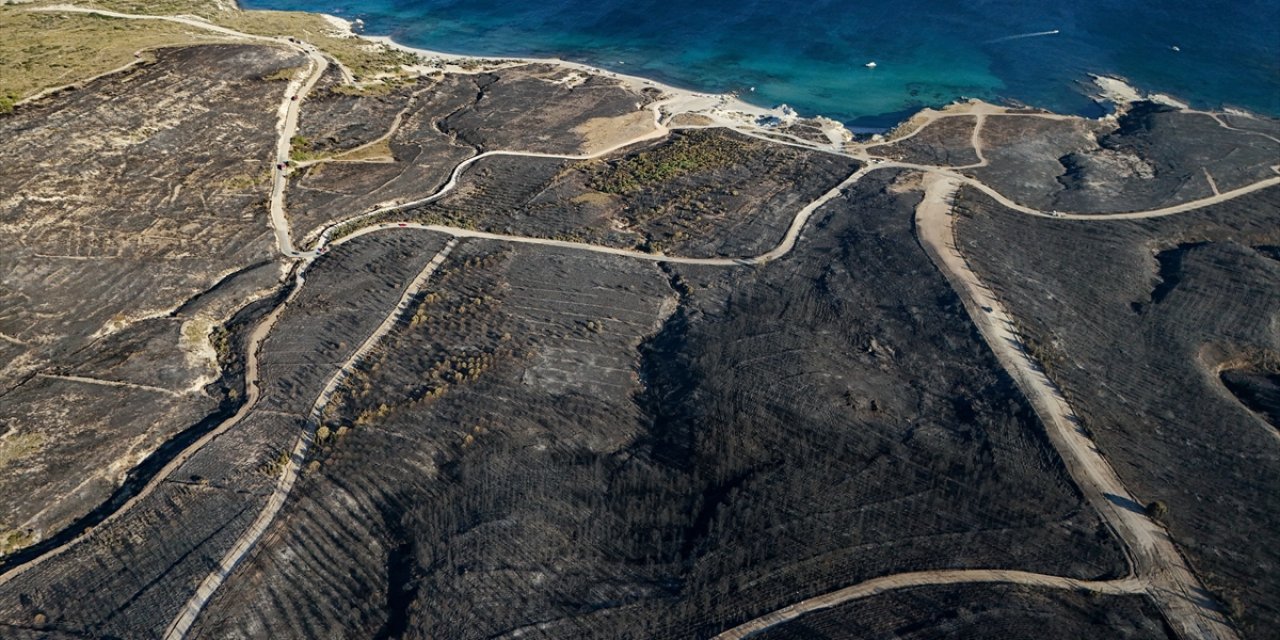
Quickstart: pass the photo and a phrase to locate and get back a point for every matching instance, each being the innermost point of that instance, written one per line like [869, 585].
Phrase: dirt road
[1160, 566]
[926, 578]
[784, 246]
[288, 126]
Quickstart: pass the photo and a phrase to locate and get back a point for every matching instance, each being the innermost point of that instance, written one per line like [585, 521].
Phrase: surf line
[1020, 36]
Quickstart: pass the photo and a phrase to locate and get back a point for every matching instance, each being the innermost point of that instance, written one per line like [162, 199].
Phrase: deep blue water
[811, 54]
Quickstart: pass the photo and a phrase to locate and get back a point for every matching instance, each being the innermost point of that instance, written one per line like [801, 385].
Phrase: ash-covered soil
[1135, 320]
[424, 156]
[131, 576]
[133, 221]
[979, 612]
[338, 117]
[700, 193]
[545, 108]
[1258, 389]
[576, 445]
[1151, 156]
[536, 108]
[945, 142]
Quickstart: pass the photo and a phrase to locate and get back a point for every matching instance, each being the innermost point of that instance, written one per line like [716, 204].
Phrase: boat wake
[1020, 36]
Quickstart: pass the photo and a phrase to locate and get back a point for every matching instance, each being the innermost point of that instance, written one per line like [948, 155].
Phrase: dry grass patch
[16, 447]
[43, 50]
[368, 61]
[48, 49]
[376, 150]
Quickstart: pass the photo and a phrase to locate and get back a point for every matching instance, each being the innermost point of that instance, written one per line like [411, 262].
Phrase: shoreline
[1114, 93]
[725, 108]
[344, 28]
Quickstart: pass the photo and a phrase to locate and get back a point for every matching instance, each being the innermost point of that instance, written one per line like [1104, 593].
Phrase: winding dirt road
[921, 579]
[1157, 563]
[783, 247]
[1159, 569]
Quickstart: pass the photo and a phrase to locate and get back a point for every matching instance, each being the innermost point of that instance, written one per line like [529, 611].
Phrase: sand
[1117, 90]
[1123, 94]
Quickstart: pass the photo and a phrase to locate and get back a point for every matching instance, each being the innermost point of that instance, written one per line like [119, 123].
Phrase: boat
[870, 65]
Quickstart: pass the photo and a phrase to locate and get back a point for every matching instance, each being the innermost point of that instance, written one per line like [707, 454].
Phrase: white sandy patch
[1167, 100]
[571, 80]
[609, 132]
[1117, 90]
[834, 130]
[199, 353]
[341, 28]
[423, 70]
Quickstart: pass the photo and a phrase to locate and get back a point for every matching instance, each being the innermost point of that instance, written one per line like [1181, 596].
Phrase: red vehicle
[404, 224]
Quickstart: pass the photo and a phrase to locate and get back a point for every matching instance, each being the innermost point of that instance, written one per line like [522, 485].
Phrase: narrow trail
[894, 582]
[659, 131]
[186, 20]
[386, 136]
[180, 625]
[788, 241]
[111, 383]
[874, 164]
[1222, 123]
[1157, 562]
[975, 139]
[923, 119]
[80, 83]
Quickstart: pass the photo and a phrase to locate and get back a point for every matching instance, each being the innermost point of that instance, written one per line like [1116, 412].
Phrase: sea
[815, 55]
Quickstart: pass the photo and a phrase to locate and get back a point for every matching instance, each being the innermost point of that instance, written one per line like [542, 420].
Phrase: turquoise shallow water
[811, 55]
